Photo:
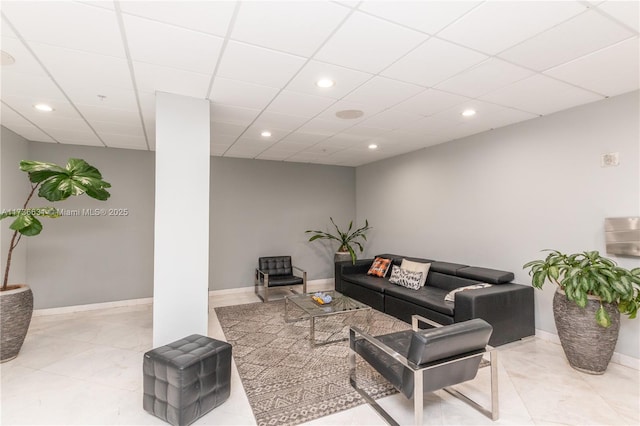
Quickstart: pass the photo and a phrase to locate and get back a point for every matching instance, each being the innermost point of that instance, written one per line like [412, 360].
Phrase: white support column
[181, 246]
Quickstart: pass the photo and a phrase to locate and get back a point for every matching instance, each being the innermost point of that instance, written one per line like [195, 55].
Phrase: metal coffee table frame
[340, 304]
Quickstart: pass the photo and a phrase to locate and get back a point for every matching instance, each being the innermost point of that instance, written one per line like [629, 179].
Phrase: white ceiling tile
[258, 65]
[429, 125]
[583, 34]
[345, 80]
[430, 102]
[270, 119]
[323, 148]
[36, 87]
[123, 141]
[273, 155]
[254, 132]
[246, 147]
[383, 92]
[359, 130]
[231, 114]
[212, 17]
[270, 24]
[391, 119]
[325, 127]
[114, 128]
[239, 154]
[31, 133]
[67, 24]
[433, 62]
[609, 71]
[104, 96]
[342, 140]
[8, 117]
[302, 138]
[75, 136]
[627, 12]
[218, 149]
[225, 140]
[242, 94]
[105, 4]
[378, 43]
[483, 110]
[484, 77]
[227, 129]
[171, 46]
[77, 68]
[427, 16]
[25, 62]
[153, 78]
[114, 115]
[497, 25]
[540, 95]
[290, 147]
[300, 104]
[25, 106]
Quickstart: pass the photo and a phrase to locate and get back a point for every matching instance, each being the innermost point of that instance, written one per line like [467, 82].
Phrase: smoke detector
[349, 114]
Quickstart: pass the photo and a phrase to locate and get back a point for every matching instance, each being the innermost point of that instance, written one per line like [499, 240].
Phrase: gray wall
[14, 189]
[496, 199]
[262, 208]
[92, 259]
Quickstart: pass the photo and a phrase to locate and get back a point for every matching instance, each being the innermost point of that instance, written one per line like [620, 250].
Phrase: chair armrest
[260, 272]
[299, 269]
[378, 344]
[416, 319]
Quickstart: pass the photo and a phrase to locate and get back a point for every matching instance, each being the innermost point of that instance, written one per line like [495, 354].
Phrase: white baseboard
[617, 358]
[313, 285]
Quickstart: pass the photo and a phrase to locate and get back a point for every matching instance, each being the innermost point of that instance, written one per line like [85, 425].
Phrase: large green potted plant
[592, 292]
[346, 239]
[53, 183]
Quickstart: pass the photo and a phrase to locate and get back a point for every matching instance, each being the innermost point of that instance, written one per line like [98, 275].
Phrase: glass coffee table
[340, 304]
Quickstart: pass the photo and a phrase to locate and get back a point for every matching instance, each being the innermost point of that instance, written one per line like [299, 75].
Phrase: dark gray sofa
[508, 307]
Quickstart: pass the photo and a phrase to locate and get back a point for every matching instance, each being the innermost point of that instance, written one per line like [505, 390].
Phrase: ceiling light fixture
[373, 146]
[43, 107]
[349, 114]
[266, 134]
[325, 83]
[468, 113]
[6, 58]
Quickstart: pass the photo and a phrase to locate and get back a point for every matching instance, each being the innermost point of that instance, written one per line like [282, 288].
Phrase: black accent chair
[425, 360]
[277, 271]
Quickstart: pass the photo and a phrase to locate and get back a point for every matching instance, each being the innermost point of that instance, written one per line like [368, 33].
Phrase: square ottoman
[186, 379]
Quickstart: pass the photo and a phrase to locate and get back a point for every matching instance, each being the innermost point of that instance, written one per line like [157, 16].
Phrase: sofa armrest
[507, 307]
[360, 267]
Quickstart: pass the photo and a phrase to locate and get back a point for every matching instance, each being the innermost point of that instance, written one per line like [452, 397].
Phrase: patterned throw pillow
[416, 267]
[379, 267]
[409, 279]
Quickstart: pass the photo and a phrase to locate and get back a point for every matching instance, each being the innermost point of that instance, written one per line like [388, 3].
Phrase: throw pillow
[451, 296]
[416, 267]
[409, 279]
[379, 267]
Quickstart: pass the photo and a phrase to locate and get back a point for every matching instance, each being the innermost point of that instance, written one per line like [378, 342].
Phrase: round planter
[16, 306]
[587, 346]
[341, 256]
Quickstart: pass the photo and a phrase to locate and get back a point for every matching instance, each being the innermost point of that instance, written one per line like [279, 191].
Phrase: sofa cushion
[369, 281]
[447, 282]
[492, 276]
[447, 267]
[410, 265]
[379, 267]
[429, 297]
[397, 259]
[405, 278]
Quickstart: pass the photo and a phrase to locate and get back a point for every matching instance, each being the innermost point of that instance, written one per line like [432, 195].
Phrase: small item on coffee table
[321, 298]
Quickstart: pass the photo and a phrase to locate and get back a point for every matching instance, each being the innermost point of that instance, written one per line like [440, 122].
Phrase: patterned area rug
[288, 382]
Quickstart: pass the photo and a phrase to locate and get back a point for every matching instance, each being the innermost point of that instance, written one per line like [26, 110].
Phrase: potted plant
[346, 239]
[592, 292]
[54, 183]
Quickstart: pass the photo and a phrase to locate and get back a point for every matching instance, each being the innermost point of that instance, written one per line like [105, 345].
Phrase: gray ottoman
[186, 379]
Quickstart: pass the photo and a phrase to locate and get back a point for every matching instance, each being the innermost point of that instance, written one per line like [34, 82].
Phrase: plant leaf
[27, 224]
[602, 317]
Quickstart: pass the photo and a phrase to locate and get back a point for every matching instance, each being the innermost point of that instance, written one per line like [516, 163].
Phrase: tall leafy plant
[588, 274]
[346, 239]
[53, 183]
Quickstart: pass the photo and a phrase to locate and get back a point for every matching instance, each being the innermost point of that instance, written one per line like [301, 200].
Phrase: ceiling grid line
[227, 36]
[31, 122]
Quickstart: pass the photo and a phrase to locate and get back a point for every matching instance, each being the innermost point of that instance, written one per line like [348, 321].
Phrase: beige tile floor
[86, 368]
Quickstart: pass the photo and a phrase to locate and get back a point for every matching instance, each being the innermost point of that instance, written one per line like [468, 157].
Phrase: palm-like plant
[588, 273]
[346, 239]
[54, 183]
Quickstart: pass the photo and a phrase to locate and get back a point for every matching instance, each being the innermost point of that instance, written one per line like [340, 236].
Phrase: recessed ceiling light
[6, 58]
[469, 113]
[325, 83]
[373, 146]
[43, 107]
[266, 134]
[349, 114]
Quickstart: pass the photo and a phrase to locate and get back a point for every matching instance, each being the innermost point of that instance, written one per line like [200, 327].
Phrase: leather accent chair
[277, 271]
[425, 360]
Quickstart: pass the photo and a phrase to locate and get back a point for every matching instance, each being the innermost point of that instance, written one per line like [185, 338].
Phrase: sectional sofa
[508, 307]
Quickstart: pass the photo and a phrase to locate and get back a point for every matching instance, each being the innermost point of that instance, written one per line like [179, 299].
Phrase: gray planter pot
[16, 308]
[587, 346]
[341, 256]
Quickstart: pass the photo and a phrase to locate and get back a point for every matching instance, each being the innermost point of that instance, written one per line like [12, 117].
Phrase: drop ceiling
[411, 67]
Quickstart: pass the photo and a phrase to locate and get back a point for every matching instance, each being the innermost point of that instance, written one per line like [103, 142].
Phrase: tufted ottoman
[186, 379]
